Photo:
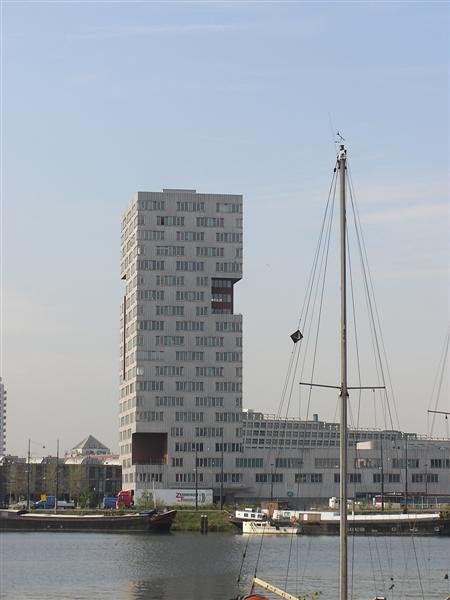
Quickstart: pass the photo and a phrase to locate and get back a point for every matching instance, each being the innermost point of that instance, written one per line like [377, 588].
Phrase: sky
[101, 99]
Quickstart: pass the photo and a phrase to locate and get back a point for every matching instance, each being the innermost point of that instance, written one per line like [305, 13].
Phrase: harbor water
[101, 566]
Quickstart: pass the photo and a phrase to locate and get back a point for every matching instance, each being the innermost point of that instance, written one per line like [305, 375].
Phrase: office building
[181, 341]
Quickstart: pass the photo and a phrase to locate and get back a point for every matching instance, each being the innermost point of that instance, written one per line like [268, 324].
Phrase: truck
[49, 502]
[125, 499]
[109, 502]
[172, 497]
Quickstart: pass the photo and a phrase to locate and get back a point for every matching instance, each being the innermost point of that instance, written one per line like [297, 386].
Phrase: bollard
[204, 524]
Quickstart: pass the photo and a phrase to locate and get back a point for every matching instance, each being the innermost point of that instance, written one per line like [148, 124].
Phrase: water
[79, 566]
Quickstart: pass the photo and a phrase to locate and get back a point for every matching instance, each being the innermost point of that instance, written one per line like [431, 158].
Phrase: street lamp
[196, 477]
[271, 482]
[29, 469]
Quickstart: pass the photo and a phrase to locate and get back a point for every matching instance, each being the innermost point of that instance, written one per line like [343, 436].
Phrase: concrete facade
[181, 343]
[298, 462]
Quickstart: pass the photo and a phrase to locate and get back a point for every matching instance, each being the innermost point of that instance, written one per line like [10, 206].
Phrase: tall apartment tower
[181, 343]
[2, 417]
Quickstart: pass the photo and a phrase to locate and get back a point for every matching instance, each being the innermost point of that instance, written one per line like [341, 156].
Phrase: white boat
[267, 527]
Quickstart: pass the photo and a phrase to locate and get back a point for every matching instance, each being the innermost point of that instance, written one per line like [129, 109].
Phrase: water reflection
[83, 566]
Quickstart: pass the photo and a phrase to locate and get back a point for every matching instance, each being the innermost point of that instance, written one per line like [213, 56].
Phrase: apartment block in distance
[181, 342]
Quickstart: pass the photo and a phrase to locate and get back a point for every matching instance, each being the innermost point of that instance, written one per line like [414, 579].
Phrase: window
[149, 355]
[189, 355]
[288, 463]
[209, 251]
[308, 477]
[169, 250]
[440, 463]
[229, 326]
[249, 463]
[202, 281]
[190, 236]
[151, 205]
[189, 416]
[190, 296]
[326, 463]
[354, 477]
[150, 265]
[189, 386]
[170, 221]
[150, 294]
[170, 311]
[228, 356]
[190, 265]
[169, 371]
[189, 325]
[209, 371]
[417, 478]
[150, 235]
[190, 206]
[170, 340]
[228, 417]
[209, 341]
[228, 207]
[229, 267]
[394, 477]
[149, 415]
[151, 325]
[399, 463]
[234, 238]
[169, 401]
[432, 478]
[209, 432]
[208, 401]
[261, 477]
[228, 386]
[149, 386]
[209, 222]
[170, 280]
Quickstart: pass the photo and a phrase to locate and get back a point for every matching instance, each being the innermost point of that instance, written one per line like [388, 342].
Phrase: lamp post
[382, 473]
[406, 473]
[57, 476]
[196, 477]
[28, 473]
[221, 475]
[271, 482]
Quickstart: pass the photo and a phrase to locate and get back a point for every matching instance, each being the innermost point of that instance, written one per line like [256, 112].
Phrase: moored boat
[247, 514]
[19, 520]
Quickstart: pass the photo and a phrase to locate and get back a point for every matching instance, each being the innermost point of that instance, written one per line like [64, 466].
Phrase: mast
[343, 561]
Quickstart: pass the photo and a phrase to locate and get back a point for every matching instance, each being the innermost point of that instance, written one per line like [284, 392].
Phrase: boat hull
[439, 527]
[108, 523]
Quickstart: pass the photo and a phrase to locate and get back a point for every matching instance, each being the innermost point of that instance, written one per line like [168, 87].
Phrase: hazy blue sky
[103, 99]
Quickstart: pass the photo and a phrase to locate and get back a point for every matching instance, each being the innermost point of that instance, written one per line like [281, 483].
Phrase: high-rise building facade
[181, 342]
[2, 417]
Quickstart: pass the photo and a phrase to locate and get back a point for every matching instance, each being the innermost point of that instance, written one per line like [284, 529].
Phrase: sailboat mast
[343, 560]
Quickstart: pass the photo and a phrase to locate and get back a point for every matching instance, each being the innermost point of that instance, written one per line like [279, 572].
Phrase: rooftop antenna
[340, 138]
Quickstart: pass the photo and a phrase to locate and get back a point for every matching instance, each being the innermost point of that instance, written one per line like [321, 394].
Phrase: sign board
[178, 496]
[290, 494]
[44, 497]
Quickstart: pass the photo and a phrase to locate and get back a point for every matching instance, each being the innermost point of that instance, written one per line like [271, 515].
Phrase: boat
[247, 515]
[268, 527]
[21, 520]
[343, 523]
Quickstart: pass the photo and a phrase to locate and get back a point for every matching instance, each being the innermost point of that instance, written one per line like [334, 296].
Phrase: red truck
[125, 499]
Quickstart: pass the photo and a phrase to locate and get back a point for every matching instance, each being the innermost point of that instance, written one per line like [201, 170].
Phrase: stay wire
[370, 295]
[376, 313]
